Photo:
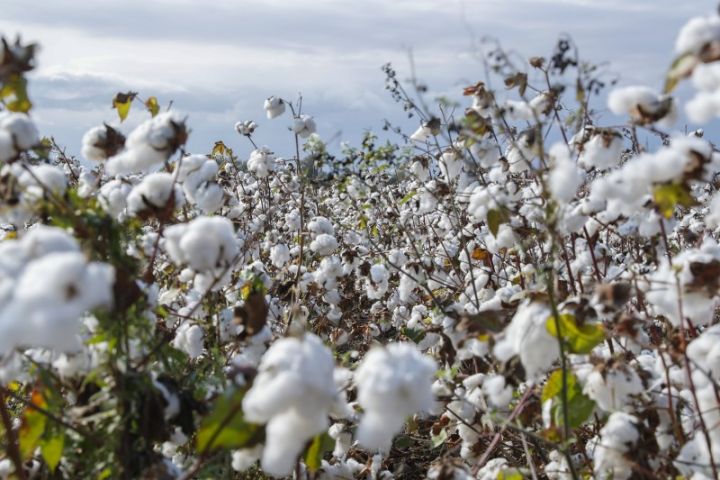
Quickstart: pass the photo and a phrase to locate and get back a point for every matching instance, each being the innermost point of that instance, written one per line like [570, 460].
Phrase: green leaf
[122, 102]
[439, 439]
[580, 406]
[407, 197]
[313, 457]
[414, 334]
[495, 218]
[32, 427]
[579, 338]
[225, 426]
[152, 105]
[52, 450]
[670, 195]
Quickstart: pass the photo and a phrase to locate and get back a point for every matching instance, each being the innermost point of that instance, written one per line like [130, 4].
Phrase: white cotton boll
[519, 110]
[204, 244]
[617, 438]
[149, 145]
[320, 225]
[324, 245]
[189, 339]
[498, 392]
[95, 144]
[377, 284]
[393, 383]
[87, 184]
[246, 458]
[565, 177]
[49, 297]
[450, 165]
[613, 388]
[279, 255]
[420, 170]
[113, 197]
[696, 33]
[261, 162]
[602, 151]
[197, 174]
[293, 393]
[641, 104]
[42, 178]
[304, 126]
[41, 240]
[492, 469]
[274, 107]
[21, 128]
[527, 336]
[705, 105]
[704, 351]
[422, 134]
[245, 128]
[154, 192]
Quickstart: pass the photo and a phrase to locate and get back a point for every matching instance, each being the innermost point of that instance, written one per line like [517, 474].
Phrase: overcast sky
[219, 59]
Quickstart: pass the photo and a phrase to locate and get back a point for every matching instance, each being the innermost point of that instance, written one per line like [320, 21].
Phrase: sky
[218, 60]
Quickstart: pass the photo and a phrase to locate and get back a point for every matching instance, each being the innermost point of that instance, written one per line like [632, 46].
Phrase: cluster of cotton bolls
[46, 285]
[517, 289]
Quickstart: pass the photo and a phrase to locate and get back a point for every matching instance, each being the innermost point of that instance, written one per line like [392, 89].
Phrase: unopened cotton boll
[293, 394]
[154, 192]
[304, 126]
[274, 107]
[205, 244]
[393, 383]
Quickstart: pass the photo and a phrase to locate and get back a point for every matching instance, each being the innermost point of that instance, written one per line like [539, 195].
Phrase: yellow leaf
[152, 105]
[219, 149]
[122, 102]
[670, 195]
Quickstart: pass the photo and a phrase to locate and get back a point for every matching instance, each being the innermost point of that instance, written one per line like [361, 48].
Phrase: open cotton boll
[324, 244]
[696, 34]
[245, 128]
[304, 126]
[189, 339]
[613, 386]
[197, 174]
[602, 151]
[565, 177]
[293, 393]
[261, 162]
[204, 244]
[113, 196]
[154, 193]
[149, 145]
[498, 392]
[40, 179]
[527, 336]
[51, 294]
[377, 283]
[393, 383]
[274, 107]
[101, 143]
[320, 225]
[705, 105]
[450, 165]
[617, 438]
[643, 105]
[279, 255]
[21, 128]
[246, 458]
